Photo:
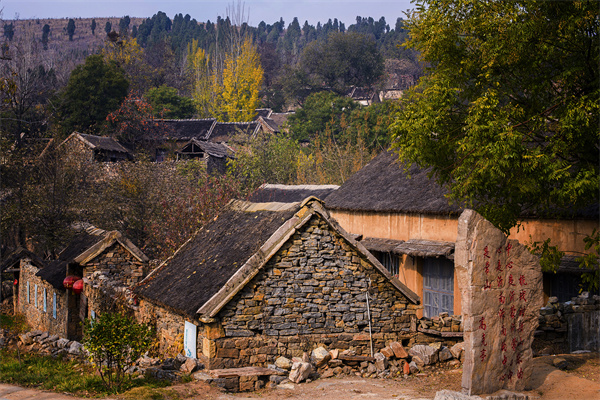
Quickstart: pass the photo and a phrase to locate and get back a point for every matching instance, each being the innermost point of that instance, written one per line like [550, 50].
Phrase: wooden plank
[345, 357]
[245, 371]
[442, 334]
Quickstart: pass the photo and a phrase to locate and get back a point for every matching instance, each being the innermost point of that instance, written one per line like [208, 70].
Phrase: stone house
[108, 264]
[269, 279]
[214, 155]
[95, 148]
[409, 225]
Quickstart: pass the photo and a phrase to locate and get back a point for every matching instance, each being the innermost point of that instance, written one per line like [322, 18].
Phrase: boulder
[398, 350]
[413, 367]
[427, 354]
[75, 348]
[405, 368]
[190, 365]
[381, 362]
[445, 354]
[388, 352]
[457, 350]
[25, 339]
[300, 371]
[334, 354]
[283, 363]
[320, 356]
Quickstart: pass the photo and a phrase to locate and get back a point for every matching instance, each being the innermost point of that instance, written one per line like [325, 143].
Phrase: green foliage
[71, 28]
[56, 374]
[93, 27]
[95, 89]
[507, 115]
[168, 104]
[108, 27]
[115, 342]
[591, 276]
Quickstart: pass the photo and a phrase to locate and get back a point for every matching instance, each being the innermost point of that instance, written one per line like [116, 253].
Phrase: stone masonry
[313, 291]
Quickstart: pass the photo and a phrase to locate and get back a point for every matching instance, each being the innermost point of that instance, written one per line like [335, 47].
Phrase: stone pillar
[501, 287]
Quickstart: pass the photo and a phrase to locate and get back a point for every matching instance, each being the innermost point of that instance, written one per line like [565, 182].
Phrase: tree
[9, 31]
[108, 27]
[168, 104]
[507, 114]
[45, 34]
[115, 342]
[342, 60]
[95, 89]
[71, 29]
[93, 26]
[124, 25]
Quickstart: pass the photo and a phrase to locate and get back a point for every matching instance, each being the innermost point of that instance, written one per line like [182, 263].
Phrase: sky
[203, 10]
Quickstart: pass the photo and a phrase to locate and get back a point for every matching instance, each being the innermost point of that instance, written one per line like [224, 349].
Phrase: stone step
[245, 371]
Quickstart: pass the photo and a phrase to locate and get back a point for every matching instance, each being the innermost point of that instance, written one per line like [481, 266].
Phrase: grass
[45, 372]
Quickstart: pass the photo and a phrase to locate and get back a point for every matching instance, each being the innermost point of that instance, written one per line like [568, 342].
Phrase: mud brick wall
[36, 317]
[119, 265]
[313, 291]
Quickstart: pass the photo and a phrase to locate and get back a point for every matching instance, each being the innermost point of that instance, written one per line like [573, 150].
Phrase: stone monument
[501, 288]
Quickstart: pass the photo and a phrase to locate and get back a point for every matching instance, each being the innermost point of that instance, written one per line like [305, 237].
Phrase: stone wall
[34, 314]
[118, 265]
[312, 291]
[169, 328]
[570, 326]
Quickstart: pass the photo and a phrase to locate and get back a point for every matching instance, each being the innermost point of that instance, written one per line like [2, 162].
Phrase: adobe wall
[312, 291]
[36, 317]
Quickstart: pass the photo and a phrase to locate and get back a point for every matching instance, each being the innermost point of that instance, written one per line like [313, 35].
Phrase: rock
[283, 363]
[405, 368]
[334, 354]
[190, 365]
[381, 362]
[457, 350]
[170, 364]
[451, 395]
[300, 371]
[335, 363]
[305, 357]
[75, 348]
[413, 367]
[202, 376]
[327, 374]
[436, 345]
[398, 350]
[25, 339]
[560, 363]
[320, 356]
[371, 368]
[181, 358]
[427, 354]
[445, 354]
[277, 379]
[388, 352]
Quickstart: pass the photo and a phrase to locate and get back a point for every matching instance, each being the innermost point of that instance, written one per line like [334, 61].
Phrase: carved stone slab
[501, 288]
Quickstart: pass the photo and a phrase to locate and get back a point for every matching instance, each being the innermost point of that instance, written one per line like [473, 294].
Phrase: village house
[407, 222]
[266, 279]
[106, 264]
[214, 155]
[95, 148]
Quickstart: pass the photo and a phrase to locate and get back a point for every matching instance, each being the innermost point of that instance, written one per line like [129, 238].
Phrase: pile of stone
[442, 323]
[552, 335]
[50, 345]
[169, 369]
[391, 361]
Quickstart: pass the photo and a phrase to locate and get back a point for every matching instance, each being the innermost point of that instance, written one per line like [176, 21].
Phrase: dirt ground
[580, 381]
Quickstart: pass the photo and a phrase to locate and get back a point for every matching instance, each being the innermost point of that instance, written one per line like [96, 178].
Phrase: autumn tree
[507, 114]
[71, 29]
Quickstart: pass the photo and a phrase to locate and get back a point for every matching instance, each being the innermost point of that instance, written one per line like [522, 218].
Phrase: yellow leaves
[124, 52]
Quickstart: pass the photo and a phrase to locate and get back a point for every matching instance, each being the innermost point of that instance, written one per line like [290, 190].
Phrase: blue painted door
[438, 286]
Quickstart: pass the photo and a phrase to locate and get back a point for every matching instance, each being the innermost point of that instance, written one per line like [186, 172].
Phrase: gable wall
[118, 264]
[312, 291]
[36, 317]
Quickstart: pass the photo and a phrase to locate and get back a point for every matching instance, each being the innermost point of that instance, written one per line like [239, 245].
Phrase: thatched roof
[186, 129]
[215, 264]
[15, 257]
[218, 150]
[54, 273]
[290, 193]
[99, 142]
[206, 262]
[225, 131]
[383, 186]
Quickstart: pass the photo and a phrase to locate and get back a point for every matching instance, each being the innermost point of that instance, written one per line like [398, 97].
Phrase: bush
[115, 342]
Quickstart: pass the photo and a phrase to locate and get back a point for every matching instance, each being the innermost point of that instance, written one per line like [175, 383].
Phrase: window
[35, 295]
[28, 298]
[54, 305]
[438, 286]
[390, 261]
[45, 305]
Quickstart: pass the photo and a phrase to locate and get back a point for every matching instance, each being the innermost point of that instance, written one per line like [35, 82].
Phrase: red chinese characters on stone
[483, 354]
[508, 248]
[483, 342]
[501, 299]
[522, 295]
[482, 324]
[511, 280]
[520, 373]
[486, 252]
[513, 312]
[509, 265]
[503, 331]
[514, 344]
[487, 267]
[511, 296]
[522, 280]
[503, 346]
[501, 313]
[499, 266]
[500, 281]
[487, 285]
[504, 360]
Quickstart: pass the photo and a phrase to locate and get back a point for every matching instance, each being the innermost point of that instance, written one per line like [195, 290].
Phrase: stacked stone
[552, 335]
[44, 343]
[312, 291]
[119, 265]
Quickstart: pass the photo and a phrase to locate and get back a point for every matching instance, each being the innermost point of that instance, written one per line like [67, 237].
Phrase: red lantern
[16, 282]
[69, 281]
[78, 286]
